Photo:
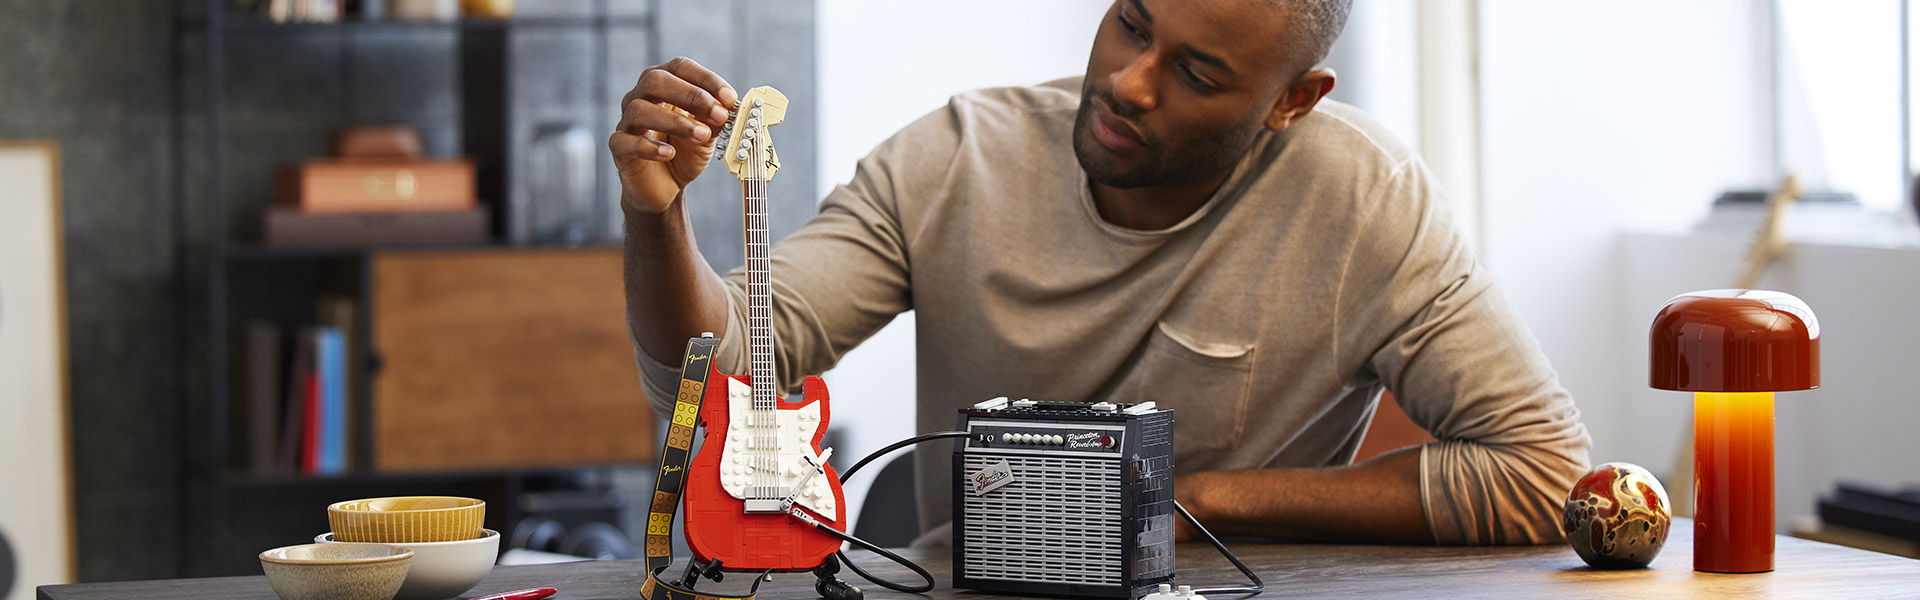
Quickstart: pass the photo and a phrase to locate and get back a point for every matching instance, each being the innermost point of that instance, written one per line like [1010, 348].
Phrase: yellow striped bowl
[404, 519]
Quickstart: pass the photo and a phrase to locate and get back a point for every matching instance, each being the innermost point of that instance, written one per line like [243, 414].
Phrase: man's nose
[1133, 84]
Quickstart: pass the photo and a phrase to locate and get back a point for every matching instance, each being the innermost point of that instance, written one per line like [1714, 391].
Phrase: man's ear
[1299, 98]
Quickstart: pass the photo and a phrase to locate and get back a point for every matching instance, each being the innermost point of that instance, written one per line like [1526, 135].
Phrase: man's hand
[665, 135]
[663, 142]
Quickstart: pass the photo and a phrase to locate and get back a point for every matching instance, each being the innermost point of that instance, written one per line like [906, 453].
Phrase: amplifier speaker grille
[1058, 521]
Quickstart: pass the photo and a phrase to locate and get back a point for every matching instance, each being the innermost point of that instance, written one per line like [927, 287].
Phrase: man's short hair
[1316, 24]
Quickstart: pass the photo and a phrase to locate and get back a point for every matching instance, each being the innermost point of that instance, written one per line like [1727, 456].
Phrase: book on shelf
[312, 411]
[261, 355]
[290, 228]
[338, 311]
[294, 423]
[331, 349]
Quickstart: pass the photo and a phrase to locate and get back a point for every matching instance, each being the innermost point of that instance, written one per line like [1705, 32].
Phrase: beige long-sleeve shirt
[1325, 269]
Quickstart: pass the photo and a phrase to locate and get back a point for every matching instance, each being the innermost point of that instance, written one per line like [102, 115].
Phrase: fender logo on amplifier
[991, 478]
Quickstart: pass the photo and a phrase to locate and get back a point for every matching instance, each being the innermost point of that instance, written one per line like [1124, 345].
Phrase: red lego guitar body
[717, 525]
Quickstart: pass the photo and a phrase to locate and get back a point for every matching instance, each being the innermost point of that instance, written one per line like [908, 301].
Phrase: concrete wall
[95, 76]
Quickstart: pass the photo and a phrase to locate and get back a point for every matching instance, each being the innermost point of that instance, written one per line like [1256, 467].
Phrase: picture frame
[36, 513]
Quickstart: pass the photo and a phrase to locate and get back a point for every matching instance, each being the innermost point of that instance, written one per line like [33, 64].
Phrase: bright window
[1839, 119]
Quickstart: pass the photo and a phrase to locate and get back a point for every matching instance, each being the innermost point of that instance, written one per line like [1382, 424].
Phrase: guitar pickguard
[793, 439]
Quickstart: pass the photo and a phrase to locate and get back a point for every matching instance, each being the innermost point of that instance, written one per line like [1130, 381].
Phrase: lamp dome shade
[1735, 341]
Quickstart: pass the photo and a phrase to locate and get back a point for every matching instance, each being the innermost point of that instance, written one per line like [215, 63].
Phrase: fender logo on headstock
[745, 135]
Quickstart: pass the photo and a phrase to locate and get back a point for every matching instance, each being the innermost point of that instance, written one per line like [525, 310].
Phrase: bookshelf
[233, 508]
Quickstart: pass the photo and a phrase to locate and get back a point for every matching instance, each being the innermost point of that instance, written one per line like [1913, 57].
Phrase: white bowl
[444, 570]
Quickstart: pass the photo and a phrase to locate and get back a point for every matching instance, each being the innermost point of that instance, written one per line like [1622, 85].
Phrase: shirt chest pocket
[1205, 383]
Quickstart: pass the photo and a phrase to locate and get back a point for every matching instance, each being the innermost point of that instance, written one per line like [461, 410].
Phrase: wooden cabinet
[500, 359]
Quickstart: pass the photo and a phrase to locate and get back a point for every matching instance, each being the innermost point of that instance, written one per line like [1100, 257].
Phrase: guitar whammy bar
[760, 495]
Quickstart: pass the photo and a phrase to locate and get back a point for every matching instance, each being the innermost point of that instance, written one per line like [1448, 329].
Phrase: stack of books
[298, 389]
[377, 189]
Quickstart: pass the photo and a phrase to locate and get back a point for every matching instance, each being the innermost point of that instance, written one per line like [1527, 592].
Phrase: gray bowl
[336, 571]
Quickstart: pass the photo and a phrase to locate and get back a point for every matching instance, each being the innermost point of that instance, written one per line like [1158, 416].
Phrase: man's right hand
[665, 136]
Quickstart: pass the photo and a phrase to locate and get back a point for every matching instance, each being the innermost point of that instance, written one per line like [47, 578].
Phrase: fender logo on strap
[674, 456]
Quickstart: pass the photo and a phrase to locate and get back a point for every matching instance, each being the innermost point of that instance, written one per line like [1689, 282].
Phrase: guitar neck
[759, 292]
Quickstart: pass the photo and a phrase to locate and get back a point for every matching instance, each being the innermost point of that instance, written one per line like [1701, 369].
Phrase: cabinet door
[504, 359]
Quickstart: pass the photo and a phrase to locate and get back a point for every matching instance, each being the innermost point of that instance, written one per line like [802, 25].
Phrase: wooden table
[1805, 569]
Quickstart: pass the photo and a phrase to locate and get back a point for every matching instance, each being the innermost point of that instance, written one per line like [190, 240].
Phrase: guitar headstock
[743, 143]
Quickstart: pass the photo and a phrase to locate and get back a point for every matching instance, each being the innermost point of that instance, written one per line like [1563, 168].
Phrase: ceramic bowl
[444, 569]
[336, 571]
[407, 519]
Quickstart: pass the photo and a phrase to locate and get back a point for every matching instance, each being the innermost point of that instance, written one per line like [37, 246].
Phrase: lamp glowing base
[1733, 482]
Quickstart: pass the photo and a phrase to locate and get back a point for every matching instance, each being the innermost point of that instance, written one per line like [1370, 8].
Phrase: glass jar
[557, 202]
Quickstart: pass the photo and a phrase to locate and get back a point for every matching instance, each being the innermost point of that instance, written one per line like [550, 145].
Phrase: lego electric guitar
[760, 476]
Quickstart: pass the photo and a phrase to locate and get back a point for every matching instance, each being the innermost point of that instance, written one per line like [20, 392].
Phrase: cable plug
[833, 588]
[1168, 592]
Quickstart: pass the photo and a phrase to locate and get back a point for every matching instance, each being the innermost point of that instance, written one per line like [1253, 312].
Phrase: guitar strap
[674, 456]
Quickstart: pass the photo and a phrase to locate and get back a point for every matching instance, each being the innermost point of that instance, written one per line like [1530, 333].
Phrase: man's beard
[1193, 158]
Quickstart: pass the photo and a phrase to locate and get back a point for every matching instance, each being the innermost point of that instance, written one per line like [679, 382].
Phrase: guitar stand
[831, 586]
[695, 571]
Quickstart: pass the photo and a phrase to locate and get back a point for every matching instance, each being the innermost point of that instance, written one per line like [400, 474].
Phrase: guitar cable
[1257, 587]
[842, 555]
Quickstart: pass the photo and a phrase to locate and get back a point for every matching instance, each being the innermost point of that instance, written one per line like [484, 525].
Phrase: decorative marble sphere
[1617, 516]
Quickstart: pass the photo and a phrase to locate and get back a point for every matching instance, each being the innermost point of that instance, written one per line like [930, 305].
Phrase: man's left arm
[1374, 501]
[1420, 315]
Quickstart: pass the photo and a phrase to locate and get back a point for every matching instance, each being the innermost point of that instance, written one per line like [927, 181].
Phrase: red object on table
[1734, 349]
[527, 594]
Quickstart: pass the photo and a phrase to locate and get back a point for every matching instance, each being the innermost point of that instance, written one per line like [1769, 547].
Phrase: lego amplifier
[1064, 498]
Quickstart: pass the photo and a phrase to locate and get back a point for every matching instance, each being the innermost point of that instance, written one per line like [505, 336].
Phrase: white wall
[1377, 64]
[1598, 119]
[883, 64]
[1607, 132]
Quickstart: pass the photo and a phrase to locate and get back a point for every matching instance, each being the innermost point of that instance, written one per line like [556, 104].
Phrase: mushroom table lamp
[1733, 349]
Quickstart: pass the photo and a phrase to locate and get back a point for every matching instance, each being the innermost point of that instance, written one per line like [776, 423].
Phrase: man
[1187, 224]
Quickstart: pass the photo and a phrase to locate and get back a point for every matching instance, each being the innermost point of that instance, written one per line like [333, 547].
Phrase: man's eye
[1131, 30]
[1195, 80]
